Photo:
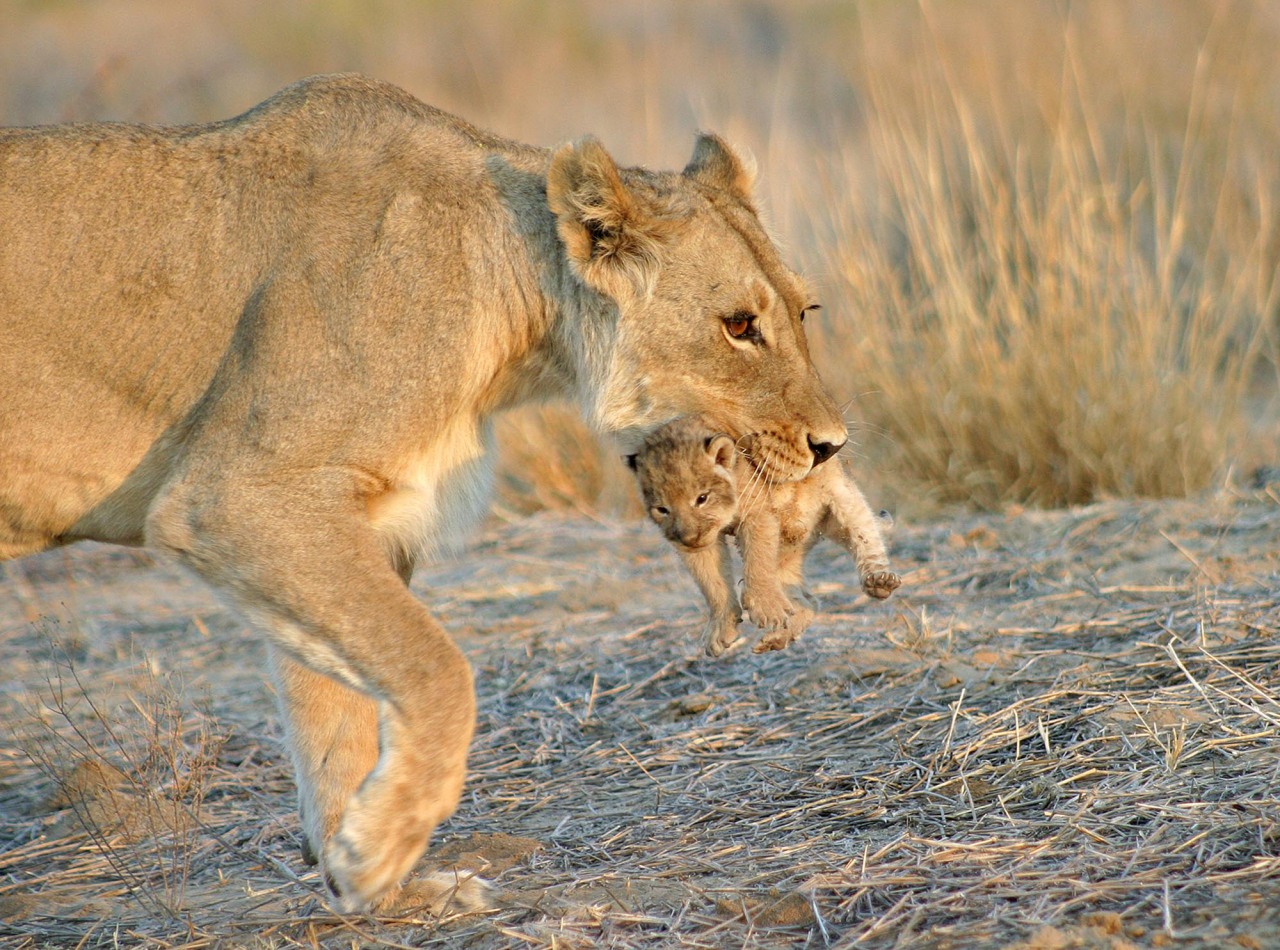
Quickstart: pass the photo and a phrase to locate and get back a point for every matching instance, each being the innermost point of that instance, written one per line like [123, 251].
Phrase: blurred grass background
[1046, 232]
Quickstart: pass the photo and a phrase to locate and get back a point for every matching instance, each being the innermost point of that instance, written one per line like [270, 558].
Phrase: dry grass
[1047, 233]
[1064, 732]
[130, 780]
[1064, 273]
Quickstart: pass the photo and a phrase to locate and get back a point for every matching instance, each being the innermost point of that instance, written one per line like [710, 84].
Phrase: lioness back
[170, 233]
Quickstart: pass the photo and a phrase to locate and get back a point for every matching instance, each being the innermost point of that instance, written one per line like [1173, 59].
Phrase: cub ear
[721, 449]
[613, 240]
[631, 461]
[717, 165]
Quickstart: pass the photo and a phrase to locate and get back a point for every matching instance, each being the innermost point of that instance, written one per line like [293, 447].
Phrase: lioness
[273, 347]
[699, 487]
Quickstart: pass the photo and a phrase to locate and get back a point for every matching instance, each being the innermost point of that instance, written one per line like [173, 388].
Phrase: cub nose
[823, 450]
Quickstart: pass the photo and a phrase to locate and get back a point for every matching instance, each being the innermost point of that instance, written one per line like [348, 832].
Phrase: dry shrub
[129, 774]
[550, 459]
[1061, 265]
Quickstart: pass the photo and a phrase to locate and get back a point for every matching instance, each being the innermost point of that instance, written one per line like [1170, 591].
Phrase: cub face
[688, 484]
[709, 319]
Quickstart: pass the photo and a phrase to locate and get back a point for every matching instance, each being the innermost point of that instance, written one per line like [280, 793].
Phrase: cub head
[707, 319]
[687, 480]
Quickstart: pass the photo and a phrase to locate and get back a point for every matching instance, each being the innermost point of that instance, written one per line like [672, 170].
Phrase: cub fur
[699, 489]
[273, 347]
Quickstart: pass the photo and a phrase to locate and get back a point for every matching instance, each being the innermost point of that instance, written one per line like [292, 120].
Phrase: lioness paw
[438, 894]
[881, 584]
[361, 876]
[377, 844]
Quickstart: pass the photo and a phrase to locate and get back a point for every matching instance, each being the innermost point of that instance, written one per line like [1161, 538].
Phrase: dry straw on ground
[1064, 732]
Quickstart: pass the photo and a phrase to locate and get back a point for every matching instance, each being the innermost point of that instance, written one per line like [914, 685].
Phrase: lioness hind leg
[332, 734]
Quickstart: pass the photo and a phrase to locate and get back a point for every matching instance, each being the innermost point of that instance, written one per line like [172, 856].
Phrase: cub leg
[763, 597]
[791, 573]
[712, 569]
[851, 523]
[300, 560]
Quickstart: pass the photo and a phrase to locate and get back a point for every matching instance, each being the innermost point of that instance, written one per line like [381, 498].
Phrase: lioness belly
[439, 495]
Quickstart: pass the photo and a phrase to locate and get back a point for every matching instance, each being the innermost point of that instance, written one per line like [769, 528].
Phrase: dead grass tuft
[1056, 294]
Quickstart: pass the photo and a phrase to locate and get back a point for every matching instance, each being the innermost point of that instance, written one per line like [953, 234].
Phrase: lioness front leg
[331, 731]
[712, 569]
[851, 523]
[314, 576]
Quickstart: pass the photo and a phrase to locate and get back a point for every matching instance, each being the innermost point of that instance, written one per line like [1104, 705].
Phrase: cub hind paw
[881, 584]
[781, 637]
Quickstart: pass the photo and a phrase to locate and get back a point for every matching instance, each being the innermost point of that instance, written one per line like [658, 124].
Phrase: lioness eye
[741, 326]
[812, 306]
[702, 499]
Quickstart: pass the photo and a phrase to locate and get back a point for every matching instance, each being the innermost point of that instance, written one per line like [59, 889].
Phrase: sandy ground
[1064, 731]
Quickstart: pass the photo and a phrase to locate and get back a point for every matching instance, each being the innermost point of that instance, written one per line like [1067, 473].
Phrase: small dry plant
[550, 459]
[131, 776]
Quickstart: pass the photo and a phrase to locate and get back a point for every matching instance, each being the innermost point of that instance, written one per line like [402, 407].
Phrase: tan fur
[699, 489]
[273, 347]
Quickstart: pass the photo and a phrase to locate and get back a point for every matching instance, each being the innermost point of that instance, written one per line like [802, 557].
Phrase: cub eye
[658, 511]
[702, 499]
[742, 326]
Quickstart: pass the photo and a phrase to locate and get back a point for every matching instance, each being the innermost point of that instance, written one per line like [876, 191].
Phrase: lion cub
[698, 488]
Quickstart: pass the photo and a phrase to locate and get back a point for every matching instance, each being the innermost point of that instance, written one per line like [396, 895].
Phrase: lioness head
[709, 319]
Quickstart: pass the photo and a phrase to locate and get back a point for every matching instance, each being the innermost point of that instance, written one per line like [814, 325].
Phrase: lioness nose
[823, 450]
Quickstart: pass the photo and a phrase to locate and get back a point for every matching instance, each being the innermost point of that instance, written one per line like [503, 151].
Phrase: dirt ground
[1064, 731]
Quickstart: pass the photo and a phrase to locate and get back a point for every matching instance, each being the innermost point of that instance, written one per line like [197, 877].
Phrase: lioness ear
[721, 449]
[716, 165]
[613, 240]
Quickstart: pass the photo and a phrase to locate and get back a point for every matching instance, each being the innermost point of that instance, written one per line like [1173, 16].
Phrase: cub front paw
[778, 638]
[768, 612]
[881, 584]
[720, 636]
